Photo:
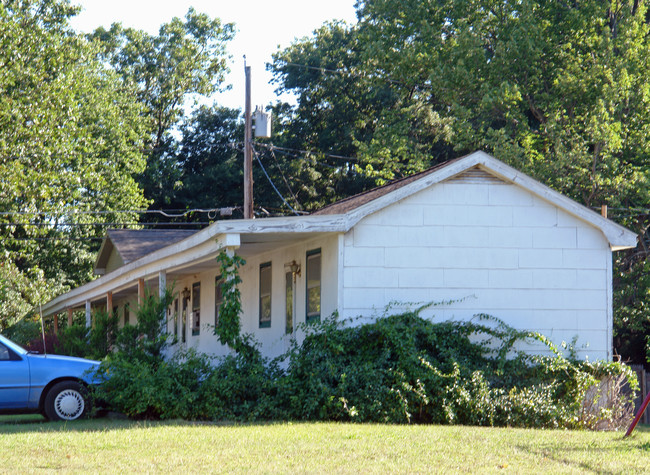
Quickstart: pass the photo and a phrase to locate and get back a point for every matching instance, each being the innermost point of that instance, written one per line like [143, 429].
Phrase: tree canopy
[559, 90]
[71, 141]
[186, 59]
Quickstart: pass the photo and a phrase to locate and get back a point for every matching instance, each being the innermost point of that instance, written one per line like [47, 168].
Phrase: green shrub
[73, 341]
[94, 343]
[170, 389]
[398, 369]
[102, 335]
[24, 331]
[405, 369]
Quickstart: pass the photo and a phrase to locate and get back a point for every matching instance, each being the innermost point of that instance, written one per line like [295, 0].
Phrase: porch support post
[88, 314]
[56, 323]
[109, 303]
[162, 283]
[140, 291]
[162, 288]
[69, 317]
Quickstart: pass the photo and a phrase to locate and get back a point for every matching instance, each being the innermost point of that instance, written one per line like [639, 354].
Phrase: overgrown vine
[228, 326]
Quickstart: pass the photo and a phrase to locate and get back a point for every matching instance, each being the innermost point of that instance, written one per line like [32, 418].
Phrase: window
[196, 308]
[218, 298]
[4, 353]
[186, 300]
[313, 285]
[288, 278]
[265, 295]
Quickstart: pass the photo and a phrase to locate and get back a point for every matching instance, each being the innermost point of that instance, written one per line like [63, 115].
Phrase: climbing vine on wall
[228, 327]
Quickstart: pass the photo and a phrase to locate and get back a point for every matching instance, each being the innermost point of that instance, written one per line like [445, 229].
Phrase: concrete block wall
[494, 248]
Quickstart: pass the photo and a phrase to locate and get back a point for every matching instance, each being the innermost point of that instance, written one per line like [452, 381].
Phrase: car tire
[66, 401]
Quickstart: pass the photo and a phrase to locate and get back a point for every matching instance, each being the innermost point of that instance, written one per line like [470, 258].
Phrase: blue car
[55, 386]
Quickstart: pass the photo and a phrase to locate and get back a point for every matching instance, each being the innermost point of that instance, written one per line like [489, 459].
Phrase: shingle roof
[133, 244]
[353, 202]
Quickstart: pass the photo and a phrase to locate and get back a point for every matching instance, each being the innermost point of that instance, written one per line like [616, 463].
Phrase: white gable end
[494, 247]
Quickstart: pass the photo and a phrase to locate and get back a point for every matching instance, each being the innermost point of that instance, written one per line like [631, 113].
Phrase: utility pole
[248, 148]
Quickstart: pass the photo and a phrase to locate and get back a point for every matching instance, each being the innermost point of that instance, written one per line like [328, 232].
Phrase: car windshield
[14, 346]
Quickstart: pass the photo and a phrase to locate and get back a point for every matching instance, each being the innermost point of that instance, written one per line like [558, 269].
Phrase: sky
[262, 27]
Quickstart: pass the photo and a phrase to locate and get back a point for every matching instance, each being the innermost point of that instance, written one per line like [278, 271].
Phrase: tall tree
[547, 86]
[558, 89]
[186, 58]
[344, 111]
[209, 165]
[71, 140]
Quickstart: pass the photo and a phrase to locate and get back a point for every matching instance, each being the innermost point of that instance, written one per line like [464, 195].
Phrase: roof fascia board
[438, 176]
[179, 255]
[618, 236]
[291, 224]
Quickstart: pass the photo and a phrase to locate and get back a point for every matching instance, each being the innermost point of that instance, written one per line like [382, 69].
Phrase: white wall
[273, 339]
[495, 246]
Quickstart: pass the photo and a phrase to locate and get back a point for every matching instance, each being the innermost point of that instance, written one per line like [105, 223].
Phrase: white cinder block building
[473, 231]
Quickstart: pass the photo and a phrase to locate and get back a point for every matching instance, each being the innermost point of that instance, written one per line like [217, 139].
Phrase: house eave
[200, 247]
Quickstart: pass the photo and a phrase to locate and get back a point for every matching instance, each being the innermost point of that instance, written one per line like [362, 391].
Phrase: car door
[14, 379]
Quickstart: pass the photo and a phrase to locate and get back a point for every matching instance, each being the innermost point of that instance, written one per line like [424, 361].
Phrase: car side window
[4, 353]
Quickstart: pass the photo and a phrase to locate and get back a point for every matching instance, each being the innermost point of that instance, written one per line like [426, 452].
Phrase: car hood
[51, 367]
[67, 359]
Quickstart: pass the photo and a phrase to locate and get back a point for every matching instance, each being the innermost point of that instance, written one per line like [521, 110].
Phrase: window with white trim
[313, 282]
[265, 295]
[196, 308]
[218, 298]
[288, 298]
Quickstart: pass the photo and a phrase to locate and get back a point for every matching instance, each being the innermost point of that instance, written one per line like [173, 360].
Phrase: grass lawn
[29, 444]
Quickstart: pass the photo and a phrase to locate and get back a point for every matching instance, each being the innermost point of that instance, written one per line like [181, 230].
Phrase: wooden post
[109, 303]
[248, 148]
[69, 317]
[644, 389]
[56, 323]
[140, 291]
[603, 210]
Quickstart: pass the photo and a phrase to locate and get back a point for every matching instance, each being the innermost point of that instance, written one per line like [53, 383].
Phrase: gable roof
[165, 249]
[359, 206]
[132, 244]
[352, 202]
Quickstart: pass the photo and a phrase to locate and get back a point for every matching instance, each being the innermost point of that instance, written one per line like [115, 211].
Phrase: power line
[327, 165]
[223, 211]
[310, 152]
[77, 225]
[297, 153]
[50, 239]
[277, 165]
[271, 181]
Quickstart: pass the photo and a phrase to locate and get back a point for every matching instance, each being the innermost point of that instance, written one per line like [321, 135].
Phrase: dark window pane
[196, 308]
[218, 299]
[313, 285]
[289, 301]
[265, 295]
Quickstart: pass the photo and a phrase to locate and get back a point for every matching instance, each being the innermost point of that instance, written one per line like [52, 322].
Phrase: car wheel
[66, 401]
